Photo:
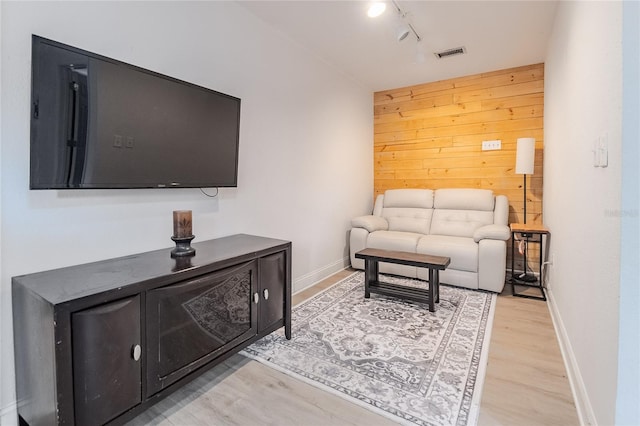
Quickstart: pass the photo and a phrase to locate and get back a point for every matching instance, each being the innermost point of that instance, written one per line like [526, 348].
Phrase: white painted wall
[306, 163]
[627, 407]
[4, 408]
[583, 101]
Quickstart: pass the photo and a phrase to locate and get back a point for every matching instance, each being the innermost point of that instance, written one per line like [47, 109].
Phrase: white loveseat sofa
[467, 225]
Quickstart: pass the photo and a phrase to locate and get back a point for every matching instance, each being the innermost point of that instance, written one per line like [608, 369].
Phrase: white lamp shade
[525, 156]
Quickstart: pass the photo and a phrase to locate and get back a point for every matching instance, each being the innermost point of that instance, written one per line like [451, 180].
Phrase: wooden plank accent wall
[430, 135]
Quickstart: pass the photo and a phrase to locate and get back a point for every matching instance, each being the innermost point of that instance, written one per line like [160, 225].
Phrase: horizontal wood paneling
[430, 135]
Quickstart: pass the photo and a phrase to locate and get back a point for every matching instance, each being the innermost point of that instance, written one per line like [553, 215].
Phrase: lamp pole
[524, 198]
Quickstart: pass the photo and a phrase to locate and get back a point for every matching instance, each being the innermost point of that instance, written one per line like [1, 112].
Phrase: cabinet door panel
[107, 378]
[272, 279]
[189, 323]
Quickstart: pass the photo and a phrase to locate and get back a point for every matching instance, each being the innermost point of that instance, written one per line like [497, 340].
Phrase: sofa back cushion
[459, 212]
[408, 210]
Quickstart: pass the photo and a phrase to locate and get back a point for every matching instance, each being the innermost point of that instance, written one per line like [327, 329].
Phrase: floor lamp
[525, 157]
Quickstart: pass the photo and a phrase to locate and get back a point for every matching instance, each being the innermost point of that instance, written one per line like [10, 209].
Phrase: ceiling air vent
[451, 52]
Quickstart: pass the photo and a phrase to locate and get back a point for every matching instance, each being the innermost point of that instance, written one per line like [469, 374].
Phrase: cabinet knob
[136, 352]
[256, 297]
[265, 293]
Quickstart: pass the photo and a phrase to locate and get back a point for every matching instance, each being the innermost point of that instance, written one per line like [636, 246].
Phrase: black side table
[536, 234]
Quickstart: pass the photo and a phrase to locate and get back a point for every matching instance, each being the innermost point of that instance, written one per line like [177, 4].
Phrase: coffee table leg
[432, 289]
[370, 275]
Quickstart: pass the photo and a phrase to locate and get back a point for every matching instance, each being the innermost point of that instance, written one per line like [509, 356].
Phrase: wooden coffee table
[435, 264]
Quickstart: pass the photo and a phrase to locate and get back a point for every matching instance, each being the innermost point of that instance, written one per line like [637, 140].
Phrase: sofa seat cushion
[463, 251]
[394, 240]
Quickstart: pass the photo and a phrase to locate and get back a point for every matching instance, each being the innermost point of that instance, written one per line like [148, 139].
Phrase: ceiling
[496, 35]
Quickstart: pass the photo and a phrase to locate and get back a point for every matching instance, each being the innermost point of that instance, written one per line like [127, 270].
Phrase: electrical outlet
[491, 145]
[117, 141]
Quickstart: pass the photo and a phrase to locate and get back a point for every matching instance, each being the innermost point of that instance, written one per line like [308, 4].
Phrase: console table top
[529, 227]
[71, 283]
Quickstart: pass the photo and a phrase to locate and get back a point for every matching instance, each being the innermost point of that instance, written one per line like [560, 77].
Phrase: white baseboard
[9, 415]
[586, 416]
[313, 277]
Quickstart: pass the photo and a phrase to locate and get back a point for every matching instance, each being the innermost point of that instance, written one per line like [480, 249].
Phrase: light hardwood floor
[525, 383]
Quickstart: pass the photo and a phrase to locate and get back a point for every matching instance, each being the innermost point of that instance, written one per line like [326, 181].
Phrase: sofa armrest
[492, 232]
[370, 223]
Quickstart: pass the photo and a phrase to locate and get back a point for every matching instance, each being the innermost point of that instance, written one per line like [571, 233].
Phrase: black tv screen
[100, 123]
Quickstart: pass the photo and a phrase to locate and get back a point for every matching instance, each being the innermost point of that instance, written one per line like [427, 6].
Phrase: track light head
[402, 32]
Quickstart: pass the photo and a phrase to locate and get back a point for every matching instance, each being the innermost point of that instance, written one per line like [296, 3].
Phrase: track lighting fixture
[421, 56]
[406, 28]
[403, 32]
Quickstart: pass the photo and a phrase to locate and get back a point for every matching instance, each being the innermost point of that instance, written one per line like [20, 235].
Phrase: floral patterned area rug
[390, 355]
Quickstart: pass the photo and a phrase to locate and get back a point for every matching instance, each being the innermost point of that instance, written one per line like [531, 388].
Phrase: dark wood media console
[101, 342]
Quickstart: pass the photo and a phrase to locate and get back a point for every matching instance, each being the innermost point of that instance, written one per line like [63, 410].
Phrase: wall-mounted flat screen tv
[100, 123]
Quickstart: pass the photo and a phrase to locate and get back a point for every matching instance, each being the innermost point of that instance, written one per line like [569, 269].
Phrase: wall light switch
[603, 147]
[601, 151]
[491, 145]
